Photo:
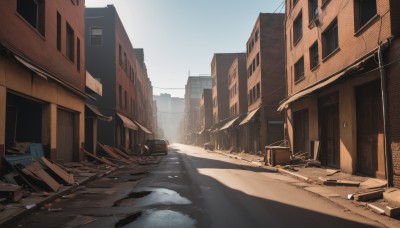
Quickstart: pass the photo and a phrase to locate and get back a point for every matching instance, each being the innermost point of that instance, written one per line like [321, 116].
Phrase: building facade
[341, 79]
[127, 95]
[265, 82]
[42, 79]
[205, 116]
[193, 90]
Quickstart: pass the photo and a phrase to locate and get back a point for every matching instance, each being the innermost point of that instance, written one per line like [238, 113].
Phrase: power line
[165, 88]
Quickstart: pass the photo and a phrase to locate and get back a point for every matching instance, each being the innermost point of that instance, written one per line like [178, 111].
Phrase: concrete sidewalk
[336, 187]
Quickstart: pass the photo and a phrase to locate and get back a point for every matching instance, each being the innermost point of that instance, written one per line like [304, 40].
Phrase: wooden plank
[38, 172]
[67, 177]
[109, 152]
[316, 150]
[103, 160]
[124, 155]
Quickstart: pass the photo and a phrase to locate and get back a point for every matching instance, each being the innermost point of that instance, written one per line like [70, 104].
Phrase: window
[364, 10]
[298, 28]
[313, 9]
[78, 54]
[126, 100]
[299, 69]
[294, 2]
[70, 43]
[120, 54]
[58, 31]
[96, 36]
[33, 13]
[258, 59]
[120, 95]
[256, 35]
[330, 39]
[258, 90]
[314, 56]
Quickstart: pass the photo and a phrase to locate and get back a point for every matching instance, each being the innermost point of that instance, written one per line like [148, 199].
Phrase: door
[370, 145]
[300, 131]
[329, 130]
[65, 135]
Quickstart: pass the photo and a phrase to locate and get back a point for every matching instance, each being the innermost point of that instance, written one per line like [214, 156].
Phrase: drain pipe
[382, 71]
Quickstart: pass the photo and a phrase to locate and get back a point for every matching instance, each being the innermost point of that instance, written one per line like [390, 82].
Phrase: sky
[179, 37]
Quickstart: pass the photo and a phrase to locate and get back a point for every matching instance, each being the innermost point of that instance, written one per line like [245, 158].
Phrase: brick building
[193, 89]
[335, 83]
[42, 77]
[237, 85]
[127, 95]
[263, 125]
[205, 116]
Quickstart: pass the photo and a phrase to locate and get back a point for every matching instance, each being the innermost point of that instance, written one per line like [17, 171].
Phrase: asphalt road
[224, 192]
[192, 187]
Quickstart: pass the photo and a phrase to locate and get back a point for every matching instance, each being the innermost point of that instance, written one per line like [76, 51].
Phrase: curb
[271, 169]
[297, 176]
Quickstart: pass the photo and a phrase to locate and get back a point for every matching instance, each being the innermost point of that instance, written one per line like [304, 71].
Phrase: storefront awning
[127, 122]
[324, 82]
[97, 113]
[229, 124]
[143, 128]
[249, 116]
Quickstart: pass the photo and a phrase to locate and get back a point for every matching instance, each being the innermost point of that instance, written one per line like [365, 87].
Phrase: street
[192, 187]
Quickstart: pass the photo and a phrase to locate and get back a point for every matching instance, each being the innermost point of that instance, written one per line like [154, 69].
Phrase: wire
[165, 88]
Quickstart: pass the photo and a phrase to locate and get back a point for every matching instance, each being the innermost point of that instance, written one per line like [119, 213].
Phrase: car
[157, 146]
[209, 146]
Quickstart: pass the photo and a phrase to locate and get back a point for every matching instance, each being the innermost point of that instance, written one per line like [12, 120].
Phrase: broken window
[33, 13]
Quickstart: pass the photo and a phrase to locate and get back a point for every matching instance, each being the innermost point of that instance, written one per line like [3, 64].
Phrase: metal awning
[324, 82]
[249, 116]
[230, 123]
[143, 128]
[127, 122]
[98, 114]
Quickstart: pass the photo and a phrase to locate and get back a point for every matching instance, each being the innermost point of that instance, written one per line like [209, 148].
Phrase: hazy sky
[179, 36]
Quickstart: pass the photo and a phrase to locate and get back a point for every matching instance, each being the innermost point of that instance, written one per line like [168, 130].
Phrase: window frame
[331, 29]
[99, 37]
[314, 54]
[70, 42]
[299, 75]
[39, 23]
[360, 23]
[298, 28]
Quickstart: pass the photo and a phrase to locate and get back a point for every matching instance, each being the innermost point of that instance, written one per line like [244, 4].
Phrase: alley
[192, 187]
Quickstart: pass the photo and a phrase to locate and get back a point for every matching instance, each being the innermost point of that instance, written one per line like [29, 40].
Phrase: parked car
[209, 146]
[157, 146]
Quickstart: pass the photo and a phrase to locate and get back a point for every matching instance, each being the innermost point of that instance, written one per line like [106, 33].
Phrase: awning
[324, 82]
[249, 116]
[127, 122]
[98, 114]
[93, 84]
[227, 125]
[143, 128]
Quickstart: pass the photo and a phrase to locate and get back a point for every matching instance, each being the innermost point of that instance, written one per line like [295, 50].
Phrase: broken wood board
[334, 182]
[35, 170]
[116, 150]
[316, 150]
[366, 196]
[67, 177]
[331, 172]
[12, 192]
[103, 160]
[109, 152]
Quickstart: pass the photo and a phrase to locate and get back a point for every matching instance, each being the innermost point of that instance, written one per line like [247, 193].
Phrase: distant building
[342, 73]
[169, 114]
[265, 82]
[205, 116]
[127, 95]
[193, 90]
[42, 79]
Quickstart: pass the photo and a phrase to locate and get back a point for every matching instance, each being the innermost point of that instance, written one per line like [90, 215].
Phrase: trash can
[277, 155]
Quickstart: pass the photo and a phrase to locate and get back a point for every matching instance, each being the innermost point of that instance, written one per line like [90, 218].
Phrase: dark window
[70, 43]
[313, 9]
[298, 28]
[314, 56]
[256, 35]
[330, 39]
[258, 90]
[120, 95]
[120, 54]
[78, 54]
[125, 62]
[58, 31]
[33, 12]
[126, 100]
[299, 69]
[294, 2]
[96, 36]
[364, 11]
[258, 59]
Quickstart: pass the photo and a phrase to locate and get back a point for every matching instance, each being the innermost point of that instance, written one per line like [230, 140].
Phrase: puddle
[161, 196]
[128, 219]
[128, 201]
[170, 177]
[173, 158]
[162, 218]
